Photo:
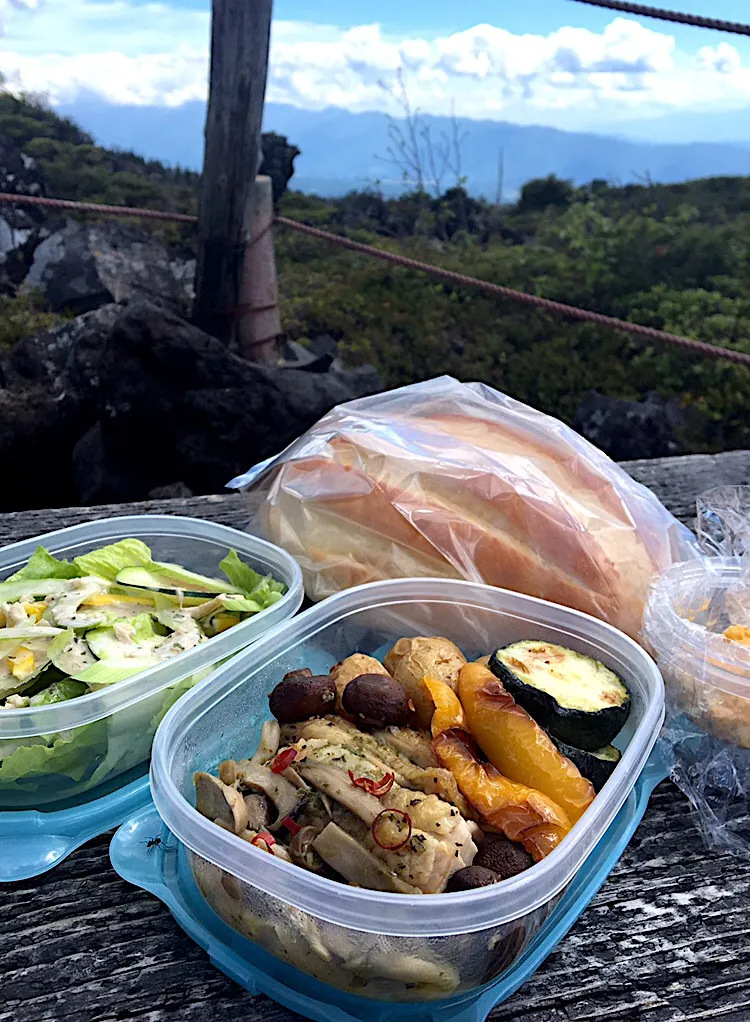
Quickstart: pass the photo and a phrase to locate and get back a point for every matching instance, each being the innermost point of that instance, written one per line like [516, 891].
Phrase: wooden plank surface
[665, 940]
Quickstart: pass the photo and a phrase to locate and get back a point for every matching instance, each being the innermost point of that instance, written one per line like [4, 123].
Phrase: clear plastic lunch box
[362, 945]
[68, 767]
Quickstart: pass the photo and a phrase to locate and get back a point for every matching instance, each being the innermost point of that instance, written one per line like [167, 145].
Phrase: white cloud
[154, 53]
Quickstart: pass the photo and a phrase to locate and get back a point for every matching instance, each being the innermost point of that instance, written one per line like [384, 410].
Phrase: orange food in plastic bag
[515, 744]
[521, 813]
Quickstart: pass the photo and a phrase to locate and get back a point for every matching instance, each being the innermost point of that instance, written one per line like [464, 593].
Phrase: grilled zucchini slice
[574, 697]
[596, 767]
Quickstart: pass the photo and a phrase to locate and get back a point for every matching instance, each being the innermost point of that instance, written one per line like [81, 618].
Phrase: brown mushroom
[301, 696]
[377, 700]
[219, 802]
[349, 669]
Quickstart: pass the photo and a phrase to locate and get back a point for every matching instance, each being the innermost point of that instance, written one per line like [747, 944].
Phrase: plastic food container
[386, 947]
[706, 736]
[54, 756]
[707, 677]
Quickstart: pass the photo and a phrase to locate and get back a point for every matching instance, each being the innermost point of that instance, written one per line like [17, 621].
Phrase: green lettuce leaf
[59, 692]
[128, 553]
[261, 588]
[42, 564]
[109, 672]
[71, 753]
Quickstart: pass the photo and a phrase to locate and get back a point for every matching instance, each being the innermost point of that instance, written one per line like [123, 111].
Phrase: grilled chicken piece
[432, 781]
[415, 745]
[440, 842]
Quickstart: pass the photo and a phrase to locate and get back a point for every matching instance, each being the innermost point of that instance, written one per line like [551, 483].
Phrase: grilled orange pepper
[515, 744]
[520, 813]
[448, 710]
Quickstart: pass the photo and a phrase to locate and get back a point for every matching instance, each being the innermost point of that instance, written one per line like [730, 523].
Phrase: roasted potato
[412, 660]
[353, 667]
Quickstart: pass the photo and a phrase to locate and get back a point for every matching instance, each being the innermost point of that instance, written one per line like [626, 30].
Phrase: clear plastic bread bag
[447, 479]
[697, 626]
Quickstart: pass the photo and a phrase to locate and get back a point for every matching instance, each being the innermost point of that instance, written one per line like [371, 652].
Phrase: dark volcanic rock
[82, 267]
[278, 161]
[21, 227]
[627, 430]
[174, 404]
[48, 398]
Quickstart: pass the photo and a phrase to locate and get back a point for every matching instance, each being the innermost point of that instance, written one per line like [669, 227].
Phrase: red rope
[645, 11]
[557, 308]
[94, 207]
[569, 311]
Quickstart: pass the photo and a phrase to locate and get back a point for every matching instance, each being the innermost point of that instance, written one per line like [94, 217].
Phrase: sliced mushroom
[349, 858]
[301, 849]
[336, 783]
[217, 801]
[275, 787]
[258, 815]
[409, 969]
[228, 771]
[270, 737]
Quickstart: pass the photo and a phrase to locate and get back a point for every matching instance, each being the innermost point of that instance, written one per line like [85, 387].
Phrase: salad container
[59, 761]
[361, 945]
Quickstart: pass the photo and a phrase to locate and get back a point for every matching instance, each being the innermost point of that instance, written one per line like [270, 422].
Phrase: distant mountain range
[341, 150]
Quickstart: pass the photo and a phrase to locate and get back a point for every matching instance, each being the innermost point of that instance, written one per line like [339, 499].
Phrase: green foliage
[674, 257]
[22, 316]
[544, 192]
[74, 168]
[671, 270]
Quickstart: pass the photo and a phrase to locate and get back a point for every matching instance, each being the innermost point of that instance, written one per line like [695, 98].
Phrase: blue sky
[540, 61]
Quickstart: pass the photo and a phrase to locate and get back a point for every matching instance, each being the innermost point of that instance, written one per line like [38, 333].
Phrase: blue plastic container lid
[34, 841]
[145, 853]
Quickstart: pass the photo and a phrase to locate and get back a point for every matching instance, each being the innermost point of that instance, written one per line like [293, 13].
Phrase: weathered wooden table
[666, 939]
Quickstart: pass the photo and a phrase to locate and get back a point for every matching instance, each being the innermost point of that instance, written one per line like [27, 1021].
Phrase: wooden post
[240, 34]
[259, 322]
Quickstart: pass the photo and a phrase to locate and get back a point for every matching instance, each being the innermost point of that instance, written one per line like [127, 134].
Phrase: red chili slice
[376, 788]
[263, 835]
[283, 761]
[291, 826]
[374, 828]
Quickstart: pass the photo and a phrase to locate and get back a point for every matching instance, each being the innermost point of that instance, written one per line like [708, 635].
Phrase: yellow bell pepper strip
[520, 813]
[21, 663]
[448, 710]
[515, 744]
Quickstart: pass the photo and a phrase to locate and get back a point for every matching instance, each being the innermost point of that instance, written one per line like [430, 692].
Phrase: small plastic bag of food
[697, 626]
[453, 480]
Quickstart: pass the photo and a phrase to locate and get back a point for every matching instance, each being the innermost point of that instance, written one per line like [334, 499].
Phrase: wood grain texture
[665, 940]
[240, 34]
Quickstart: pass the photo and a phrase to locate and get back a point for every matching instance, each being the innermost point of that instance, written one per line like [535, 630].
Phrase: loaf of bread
[484, 489]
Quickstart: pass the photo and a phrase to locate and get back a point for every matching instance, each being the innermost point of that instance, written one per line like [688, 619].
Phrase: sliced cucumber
[171, 578]
[70, 653]
[574, 697]
[160, 600]
[12, 591]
